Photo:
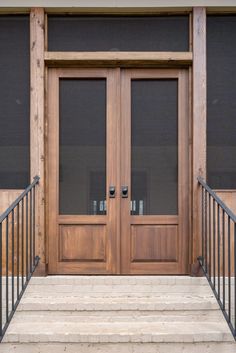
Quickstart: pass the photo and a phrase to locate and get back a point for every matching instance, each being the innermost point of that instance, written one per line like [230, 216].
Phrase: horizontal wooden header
[118, 58]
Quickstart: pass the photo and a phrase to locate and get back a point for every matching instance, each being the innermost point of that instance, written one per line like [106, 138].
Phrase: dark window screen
[154, 154]
[14, 102]
[118, 33]
[82, 171]
[221, 103]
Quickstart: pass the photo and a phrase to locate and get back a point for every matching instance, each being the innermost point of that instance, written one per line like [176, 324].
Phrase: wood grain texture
[56, 221]
[37, 120]
[152, 243]
[199, 119]
[6, 199]
[120, 59]
[220, 235]
[149, 222]
[82, 243]
[16, 234]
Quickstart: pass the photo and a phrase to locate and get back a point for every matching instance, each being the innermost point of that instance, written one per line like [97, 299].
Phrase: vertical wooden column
[37, 156]
[199, 119]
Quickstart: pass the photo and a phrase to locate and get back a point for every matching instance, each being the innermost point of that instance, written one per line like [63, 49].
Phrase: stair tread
[111, 332]
[118, 316]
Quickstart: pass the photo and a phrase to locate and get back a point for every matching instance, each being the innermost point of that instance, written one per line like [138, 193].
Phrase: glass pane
[114, 33]
[221, 103]
[154, 177]
[82, 171]
[14, 102]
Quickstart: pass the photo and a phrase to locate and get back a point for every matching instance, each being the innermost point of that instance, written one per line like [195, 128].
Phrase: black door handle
[112, 191]
[124, 191]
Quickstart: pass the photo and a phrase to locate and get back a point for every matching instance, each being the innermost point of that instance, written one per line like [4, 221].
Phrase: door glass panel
[82, 152]
[154, 152]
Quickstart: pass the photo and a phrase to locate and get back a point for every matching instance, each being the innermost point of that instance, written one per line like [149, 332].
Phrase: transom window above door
[118, 33]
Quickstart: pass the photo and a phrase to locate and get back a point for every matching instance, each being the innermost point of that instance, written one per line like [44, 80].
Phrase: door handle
[124, 191]
[112, 191]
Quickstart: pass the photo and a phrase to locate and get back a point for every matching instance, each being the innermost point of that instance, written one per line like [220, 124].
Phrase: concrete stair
[138, 314]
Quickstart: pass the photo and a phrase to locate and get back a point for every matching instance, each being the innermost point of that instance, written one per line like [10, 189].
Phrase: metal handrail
[217, 199]
[17, 226]
[218, 258]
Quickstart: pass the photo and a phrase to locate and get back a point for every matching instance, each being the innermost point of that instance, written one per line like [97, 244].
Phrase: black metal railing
[218, 259]
[17, 252]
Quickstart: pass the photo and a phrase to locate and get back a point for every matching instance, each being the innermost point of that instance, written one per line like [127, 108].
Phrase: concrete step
[176, 347]
[99, 314]
[118, 280]
[93, 303]
[113, 332]
[117, 290]
[117, 316]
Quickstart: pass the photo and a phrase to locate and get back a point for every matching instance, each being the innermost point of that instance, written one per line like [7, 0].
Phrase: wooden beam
[37, 121]
[199, 118]
[117, 58]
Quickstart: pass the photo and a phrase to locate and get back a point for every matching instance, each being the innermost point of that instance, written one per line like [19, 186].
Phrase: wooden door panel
[154, 243]
[81, 242]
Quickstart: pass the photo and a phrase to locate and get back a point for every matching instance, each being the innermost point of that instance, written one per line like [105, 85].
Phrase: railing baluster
[31, 223]
[18, 251]
[209, 235]
[1, 279]
[22, 243]
[229, 269]
[27, 233]
[205, 235]
[12, 260]
[34, 225]
[7, 269]
[218, 248]
[203, 229]
[223, 256]
[214, 243]
[235, 278]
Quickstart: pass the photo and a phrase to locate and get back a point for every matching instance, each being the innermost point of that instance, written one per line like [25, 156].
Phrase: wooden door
[154, 172]
[83, 223]
[127, 130]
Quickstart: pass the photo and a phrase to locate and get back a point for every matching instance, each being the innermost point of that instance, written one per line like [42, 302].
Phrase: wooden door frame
[183, 73]
[184, 197]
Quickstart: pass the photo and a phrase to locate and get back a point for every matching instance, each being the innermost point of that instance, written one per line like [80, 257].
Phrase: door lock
[112, 191]
[124, 191]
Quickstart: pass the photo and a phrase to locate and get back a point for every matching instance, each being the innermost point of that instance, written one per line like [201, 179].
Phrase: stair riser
[119, 280]
[118, 316]
[120, 348]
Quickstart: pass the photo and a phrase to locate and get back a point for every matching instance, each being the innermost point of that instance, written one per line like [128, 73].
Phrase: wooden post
[199, 119]
[37, 124]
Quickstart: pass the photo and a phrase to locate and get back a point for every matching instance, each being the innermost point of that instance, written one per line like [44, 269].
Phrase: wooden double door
[118, 164]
